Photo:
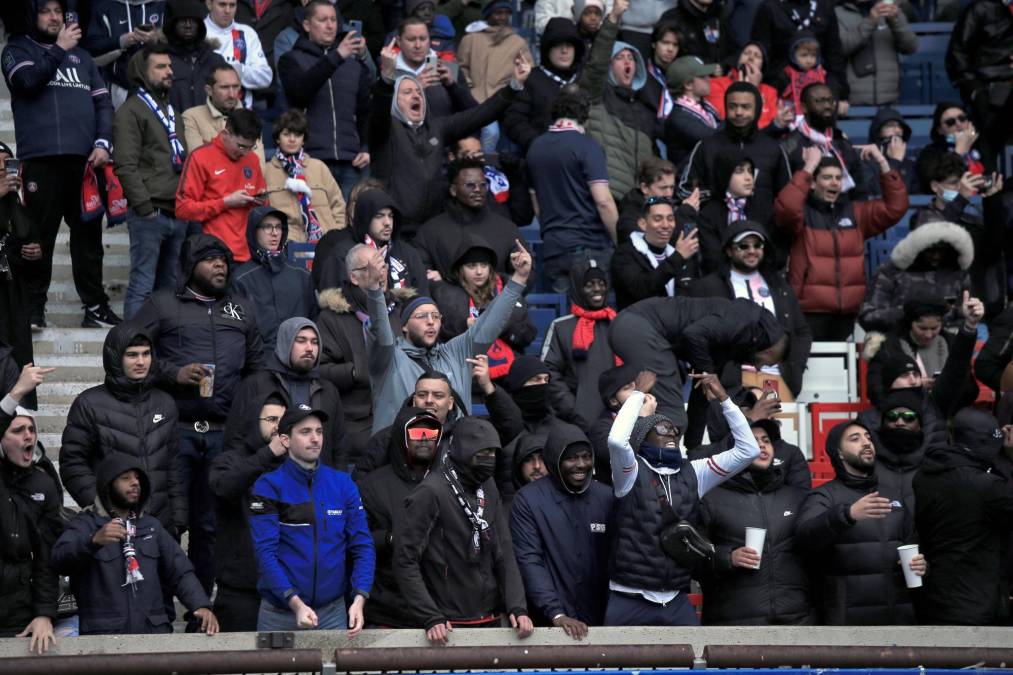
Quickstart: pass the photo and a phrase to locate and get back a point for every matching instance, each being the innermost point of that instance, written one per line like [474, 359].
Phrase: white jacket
[547, 9]
[254, 71]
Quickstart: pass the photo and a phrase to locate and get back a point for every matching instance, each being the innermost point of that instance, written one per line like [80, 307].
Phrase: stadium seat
[301, 253]
[877, 252]
[824, 417]
[831, 374]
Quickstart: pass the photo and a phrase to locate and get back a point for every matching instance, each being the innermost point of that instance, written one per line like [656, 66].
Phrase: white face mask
[948, 195]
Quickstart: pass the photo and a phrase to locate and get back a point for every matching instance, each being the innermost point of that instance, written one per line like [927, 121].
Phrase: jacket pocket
[159, 623]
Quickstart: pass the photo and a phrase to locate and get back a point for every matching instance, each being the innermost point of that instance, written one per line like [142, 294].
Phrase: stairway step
[69, 341]
[73, 368]
[64, 392]
[70, 314]
[114, 241]
[64, 291]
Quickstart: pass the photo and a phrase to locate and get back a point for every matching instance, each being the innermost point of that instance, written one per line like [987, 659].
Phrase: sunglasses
[953, 121]
[651, 201]
[746, 246]
[665, 430]
[894, 415]
[422, 434]
[472, 185]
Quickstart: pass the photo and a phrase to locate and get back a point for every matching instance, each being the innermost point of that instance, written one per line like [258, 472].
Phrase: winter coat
[977, 57]
[244, 459]
[786, 308]
[859, 581]
[410, 160]
[634, 278]
[617, 120]
[129, 417]
[871, 48]
[192, 62]
[272, 20]
[277, 288]
[438, 240]
[705, 33]
[383, 496]
[775, 28]
[334, 92]
[17, 228]
[905, 277]
[326, 198]
[963, 516]
[486, 58]
[684, 129]
[777, 593]
[561, 538]
[31, 505]
[285, 382]
[997, 352]
[439, 574]
[112, 20]
[827, 270]
[106, 605]
[185, 330]
[326, 529]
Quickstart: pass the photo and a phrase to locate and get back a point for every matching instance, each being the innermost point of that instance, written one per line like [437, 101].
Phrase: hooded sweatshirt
[278, 288]
[240, 46]
[193, 61]
[561, 537]
[130, 417]
[110, 23]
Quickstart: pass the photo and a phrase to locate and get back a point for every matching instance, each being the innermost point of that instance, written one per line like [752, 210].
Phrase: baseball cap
[297, 414]
[685, 68]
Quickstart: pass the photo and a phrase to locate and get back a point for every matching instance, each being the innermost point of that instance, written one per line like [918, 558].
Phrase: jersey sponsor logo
[598, 527]
[257, 506]
[233, 310]
[334, 512]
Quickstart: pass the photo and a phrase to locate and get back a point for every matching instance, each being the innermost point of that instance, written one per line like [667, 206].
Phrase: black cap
[614, 379]
[913, 399]
[895, 364]
[297, 414]
[978, 432]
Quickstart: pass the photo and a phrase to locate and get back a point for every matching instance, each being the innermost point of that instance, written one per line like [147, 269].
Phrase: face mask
[951, 139]
[901, 441]
[482, 468]
[949, 195]
[670, 458]
[532, 400]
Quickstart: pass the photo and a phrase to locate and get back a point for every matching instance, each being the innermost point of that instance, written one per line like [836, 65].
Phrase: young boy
[804, 68]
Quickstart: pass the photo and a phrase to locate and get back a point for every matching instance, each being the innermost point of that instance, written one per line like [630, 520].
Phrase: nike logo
[219, 172]
[157, 418]
[788, 513]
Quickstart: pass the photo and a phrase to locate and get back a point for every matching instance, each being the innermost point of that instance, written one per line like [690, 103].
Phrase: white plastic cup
[906, 554]
[754, 540]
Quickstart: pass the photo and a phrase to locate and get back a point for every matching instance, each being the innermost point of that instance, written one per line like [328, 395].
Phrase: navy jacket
[61, 103]
[325, 522]
[321, 82]
[561, 539]
[192, 62]
[114, 19]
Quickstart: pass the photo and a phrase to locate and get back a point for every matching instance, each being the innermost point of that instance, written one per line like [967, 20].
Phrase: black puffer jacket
[979, 48]
[777, 593]
[860, 581]
[997, 352]
[705, 33]
[31, 505]
[129, 417]
[192, 62]
[383, 496]
[439, 239]
[186, 330]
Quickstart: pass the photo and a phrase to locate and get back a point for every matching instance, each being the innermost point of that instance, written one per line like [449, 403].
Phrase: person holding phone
[117, 31]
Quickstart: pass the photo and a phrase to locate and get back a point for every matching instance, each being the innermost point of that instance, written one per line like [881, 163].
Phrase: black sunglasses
[953, 121]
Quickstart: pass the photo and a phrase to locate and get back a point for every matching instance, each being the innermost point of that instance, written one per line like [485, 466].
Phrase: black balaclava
[902, 441]
[533, 400]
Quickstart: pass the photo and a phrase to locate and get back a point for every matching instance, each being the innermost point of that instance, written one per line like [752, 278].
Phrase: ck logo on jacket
[233, 310]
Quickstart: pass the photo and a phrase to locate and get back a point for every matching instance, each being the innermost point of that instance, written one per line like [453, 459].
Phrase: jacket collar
[296, 472]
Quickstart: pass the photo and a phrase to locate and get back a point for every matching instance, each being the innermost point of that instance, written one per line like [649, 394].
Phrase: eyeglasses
[651, 201]
[472, 185]
[422, 434]
[746, 246]
[423, 316]
[270, 419]
[270, 228]
[953, 121]
[907, 416]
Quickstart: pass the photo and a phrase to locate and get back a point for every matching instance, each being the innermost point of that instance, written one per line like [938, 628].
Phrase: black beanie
[523, 369]
[978, 432]
[895, 364]
[911, 399]
[916, 308]
[614, 379]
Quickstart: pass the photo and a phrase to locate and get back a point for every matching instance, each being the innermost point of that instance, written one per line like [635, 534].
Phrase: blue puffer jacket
[321, 82]
[324, 520]
[61, 103]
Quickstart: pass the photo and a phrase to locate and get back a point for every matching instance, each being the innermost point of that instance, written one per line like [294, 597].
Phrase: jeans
[490, 138]
[346, 175]
[237, 609]
[196, 452]
[155, 243]
[329, 617]
[635, 610]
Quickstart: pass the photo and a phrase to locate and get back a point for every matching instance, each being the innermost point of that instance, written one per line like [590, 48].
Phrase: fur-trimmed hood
[910, 247]
[334, 299]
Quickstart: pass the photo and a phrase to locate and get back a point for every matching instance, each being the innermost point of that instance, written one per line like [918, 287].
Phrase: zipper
[837, 270]
[334, 116]
[765, 568]
[214, 338]
[313, 590]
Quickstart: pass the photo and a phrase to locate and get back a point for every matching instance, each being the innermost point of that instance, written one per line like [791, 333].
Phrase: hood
[397, 448]
[750, 129]
[583, 269]
[108, 470]
[471, 434]
[724, 167]
[396, 112]
[136, 71]
[31, 11]
[942, 459]
[733, 63]
[442, 28]
[116, 342]
[884, 115]
[978, 433]
[831, 447]
[253, 220]
[937, 115]
[184, 9]
[561, 437]
[804, 35]
[640, 77]
[280, 360]
[526, 445]
[194, 250]
[366, 206]
[472, 245]
[934, 232]
[558, 30]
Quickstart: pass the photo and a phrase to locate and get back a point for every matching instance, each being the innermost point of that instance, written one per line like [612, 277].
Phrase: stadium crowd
[367, 441]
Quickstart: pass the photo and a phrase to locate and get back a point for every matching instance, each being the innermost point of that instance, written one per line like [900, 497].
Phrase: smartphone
[986, 184]
[770, 389]
[742, 73]
[355, 26]
[146, 27]
[431, 62]
[70, 18]
[12, 166]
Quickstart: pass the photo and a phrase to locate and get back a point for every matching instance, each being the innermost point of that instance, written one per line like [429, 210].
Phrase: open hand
[711, 386]
[572, 627]
[41, 630]
[522, 624]
[208, 620]
[871, 507]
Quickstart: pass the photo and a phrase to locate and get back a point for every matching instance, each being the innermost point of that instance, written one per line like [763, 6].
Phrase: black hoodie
[383, 496]
[405, 268]
[130, 417]
[186, 329]
[906, 166]
[192, 62]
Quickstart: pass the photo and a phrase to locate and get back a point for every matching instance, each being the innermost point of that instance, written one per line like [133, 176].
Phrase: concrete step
[52, 418]
[114, 241]
[72, 368]
[63, 393]
[70, 314]
[69, 340]
[64, 291]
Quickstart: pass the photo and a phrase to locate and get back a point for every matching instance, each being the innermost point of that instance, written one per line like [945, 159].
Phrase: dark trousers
[992, 117]
[196, 452]
[236, 609]
[830, 327]
[53, 194]
[634, 610]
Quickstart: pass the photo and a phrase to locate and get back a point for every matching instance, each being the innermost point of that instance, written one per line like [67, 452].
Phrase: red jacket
[208, 177]
[826, 268]
[767, 93]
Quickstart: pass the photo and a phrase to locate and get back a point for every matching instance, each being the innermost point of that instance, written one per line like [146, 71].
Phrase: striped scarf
[294, 166]
[824, 140]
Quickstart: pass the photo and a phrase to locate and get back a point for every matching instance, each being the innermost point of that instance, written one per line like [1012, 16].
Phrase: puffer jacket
[192, 62]
[777, 593]
[326, 198]
[439, 238]
[186, 330]
[906, 276]
[112, 20]
[278, 289]
[871, 48]
[128, 417]
[978, 53]
[487, 57]
[705, 32]
[859, 581]
[827, 269]
[617, 120]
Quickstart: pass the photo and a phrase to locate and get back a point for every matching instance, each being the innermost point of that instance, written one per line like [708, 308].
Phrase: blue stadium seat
[301, 253]
[877, 252]
[542, 317]
[923, 74]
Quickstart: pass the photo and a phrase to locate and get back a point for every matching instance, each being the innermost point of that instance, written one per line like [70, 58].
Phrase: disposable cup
[906, 554]
[754, 540]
